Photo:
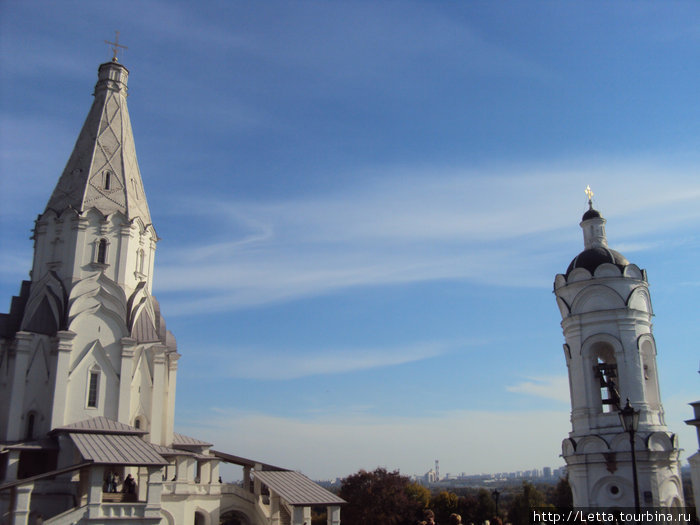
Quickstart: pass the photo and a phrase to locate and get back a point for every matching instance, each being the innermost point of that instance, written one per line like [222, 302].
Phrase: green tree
[381, 497]
[562, 498]
[485, 507]
[520, 508]
[444, 504]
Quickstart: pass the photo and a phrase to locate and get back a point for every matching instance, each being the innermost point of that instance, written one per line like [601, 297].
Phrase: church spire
[103, 172]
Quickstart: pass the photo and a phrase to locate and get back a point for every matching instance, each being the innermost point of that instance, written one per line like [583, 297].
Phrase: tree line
[388, 498]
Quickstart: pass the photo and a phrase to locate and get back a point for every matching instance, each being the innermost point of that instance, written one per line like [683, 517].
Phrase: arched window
[137, 423]
[93, 389]
[606, 374]
[102, 251]
[108, 177]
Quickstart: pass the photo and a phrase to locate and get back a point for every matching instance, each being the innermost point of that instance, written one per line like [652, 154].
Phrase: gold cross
[589, 194]
[115, 46]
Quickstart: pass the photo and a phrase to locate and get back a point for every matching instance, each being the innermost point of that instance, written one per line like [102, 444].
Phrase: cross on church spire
[589, 194]
[115, 46]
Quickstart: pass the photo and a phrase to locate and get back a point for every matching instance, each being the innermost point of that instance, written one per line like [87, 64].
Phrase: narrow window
[92, 389]
[140, 258]
[108, 176]
[137, 423]
[102, 251]
[30, 426]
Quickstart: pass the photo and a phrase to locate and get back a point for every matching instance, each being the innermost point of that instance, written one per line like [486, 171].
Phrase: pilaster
[125, 375]
[23, 347]
[169, 423]
[64, 347]
[157, 408]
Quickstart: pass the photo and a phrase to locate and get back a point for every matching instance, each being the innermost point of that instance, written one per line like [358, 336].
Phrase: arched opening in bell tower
[606, 378]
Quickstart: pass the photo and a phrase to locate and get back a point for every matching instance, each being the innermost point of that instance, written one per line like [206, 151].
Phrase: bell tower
[610, 354]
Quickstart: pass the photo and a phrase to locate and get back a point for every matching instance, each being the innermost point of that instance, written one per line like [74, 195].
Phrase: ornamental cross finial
[115, 46]
[589, 194]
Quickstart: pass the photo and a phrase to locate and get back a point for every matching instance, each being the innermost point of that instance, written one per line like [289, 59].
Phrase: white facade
[611, 357]
[88, 367]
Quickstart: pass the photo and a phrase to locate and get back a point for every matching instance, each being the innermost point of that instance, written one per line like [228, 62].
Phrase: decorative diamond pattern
[105, 144]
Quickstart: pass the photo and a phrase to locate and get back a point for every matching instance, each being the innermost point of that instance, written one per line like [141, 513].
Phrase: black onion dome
[593, 257]
[591, 214]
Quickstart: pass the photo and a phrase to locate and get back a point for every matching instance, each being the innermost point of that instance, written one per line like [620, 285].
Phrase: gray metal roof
[99, 425]
[297, 489]
[245, 462]
[167, 451]
[116, 449]
[180, 440]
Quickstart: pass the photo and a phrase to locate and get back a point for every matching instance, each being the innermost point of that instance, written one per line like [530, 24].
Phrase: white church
[611, 359]
[88, 368]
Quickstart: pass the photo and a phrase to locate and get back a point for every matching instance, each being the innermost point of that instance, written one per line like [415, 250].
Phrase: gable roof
[116, 449]
[297, 489]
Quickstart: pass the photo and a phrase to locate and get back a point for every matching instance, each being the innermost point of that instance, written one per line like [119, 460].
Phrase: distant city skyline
[362, 207]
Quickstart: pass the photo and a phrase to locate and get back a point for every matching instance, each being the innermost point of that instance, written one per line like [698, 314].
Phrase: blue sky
[363, 206]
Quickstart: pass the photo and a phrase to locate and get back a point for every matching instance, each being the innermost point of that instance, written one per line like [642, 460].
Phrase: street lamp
[629, 417]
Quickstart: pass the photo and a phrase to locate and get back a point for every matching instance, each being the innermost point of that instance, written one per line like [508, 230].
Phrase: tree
[521, 507]
[485, 507]
[381, 497]
[444, 504]
[562, 498]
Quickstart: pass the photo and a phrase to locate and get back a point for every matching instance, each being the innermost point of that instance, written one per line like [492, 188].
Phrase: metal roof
[180, 440]
[99, 425]
[167, 451]
[245, 462]
[297, 489]
[116, 449]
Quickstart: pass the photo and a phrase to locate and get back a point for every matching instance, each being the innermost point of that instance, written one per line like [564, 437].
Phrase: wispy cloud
[501, 227]
[550, 387]
[340, 445]
[294, 364]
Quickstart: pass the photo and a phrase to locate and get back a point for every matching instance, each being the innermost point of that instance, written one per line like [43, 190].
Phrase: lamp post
[629, 417]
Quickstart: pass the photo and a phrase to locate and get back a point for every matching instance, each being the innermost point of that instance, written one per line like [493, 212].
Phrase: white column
[23, 498]
[274, 508]
[23, 347]
[301, 515]
[64, 347]
[125, 374]
[155, 489]
[333, 513]
[694, 462]
[246, 479]
[94, 491]
[142, 477]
